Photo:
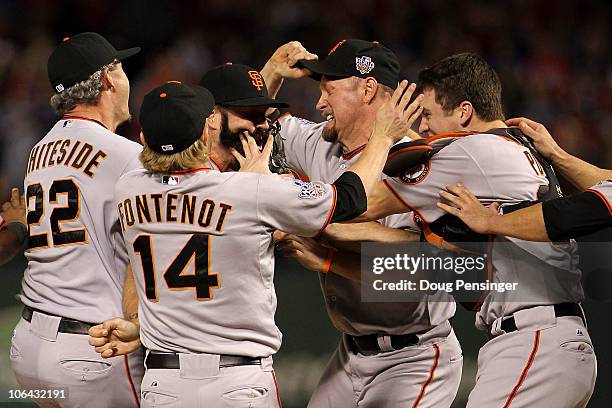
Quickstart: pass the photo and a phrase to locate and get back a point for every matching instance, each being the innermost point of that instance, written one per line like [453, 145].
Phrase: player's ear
[141, 136]
[107, 80]
[213, 121]
[206, 137]
[465, 112]
[370, 89]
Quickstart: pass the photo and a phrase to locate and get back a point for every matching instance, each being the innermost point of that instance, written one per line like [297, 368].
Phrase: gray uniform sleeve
[493, 168]
[300, 139]
[295, 206]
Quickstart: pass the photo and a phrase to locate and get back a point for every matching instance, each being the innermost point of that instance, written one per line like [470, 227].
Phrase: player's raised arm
[577, 171]
[284, 64]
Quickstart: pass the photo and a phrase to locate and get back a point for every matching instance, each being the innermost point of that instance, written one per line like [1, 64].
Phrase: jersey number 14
[195, 250]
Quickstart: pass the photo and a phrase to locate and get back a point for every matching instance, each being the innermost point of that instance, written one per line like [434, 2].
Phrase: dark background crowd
[554, 59]
[553, 56]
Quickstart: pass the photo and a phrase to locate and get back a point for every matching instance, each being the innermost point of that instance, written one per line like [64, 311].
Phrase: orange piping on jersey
[210, 159]
[129, 375]
[463, 134]
[407, 149]
[331, 211]
[386, 182]
[353, 153]
[603, 198]
[437, 240]
[430, 378]
[397, 195]
[191, 170]
[302, 177]
[66, 117]
[280, 405]
[534, 351]
[447, 135]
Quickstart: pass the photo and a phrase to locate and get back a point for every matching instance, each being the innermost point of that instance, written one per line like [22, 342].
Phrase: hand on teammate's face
[115, 337]
[542, 139]
[395, 117]
[14, 209]
[253, 160]
[461, 202]
[285, 58]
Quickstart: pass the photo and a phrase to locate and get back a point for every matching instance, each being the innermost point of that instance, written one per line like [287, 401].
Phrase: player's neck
[358, 135]
[95, 113]
[354, 143]
[478, 125]
[221, 161]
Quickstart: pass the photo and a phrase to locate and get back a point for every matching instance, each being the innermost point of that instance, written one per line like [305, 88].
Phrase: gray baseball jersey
[201, 249]
[75, 267]
[310, 155]
[497, 169]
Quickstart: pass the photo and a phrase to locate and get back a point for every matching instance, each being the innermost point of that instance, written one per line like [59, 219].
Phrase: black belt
[561, 310]
[369, 344]
[171, 361]
[65, 326]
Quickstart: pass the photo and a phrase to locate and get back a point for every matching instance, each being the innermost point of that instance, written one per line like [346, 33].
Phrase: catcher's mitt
[278, 160]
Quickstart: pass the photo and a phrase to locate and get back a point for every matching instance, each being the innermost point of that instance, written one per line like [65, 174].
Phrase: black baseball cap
[77, 57]
[357, 58]
[238, 85]
[172, 116]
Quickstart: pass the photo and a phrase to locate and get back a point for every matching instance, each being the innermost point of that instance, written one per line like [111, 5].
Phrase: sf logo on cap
[256, 79]
[364, 64]
[167, 148]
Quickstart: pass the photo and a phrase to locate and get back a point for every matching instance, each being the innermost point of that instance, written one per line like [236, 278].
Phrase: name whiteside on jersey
[66, 152]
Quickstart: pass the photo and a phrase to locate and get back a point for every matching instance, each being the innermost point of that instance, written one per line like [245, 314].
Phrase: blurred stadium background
[553, 57]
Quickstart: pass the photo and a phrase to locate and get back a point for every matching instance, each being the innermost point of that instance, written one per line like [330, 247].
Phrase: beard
[230, 138]
[330, 134]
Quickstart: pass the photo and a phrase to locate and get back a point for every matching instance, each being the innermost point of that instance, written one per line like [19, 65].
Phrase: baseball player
[13, 227]
[206, 315]
[240, 109]
[390, 354]
[76, 269]
[539, 352]
[553, 220]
